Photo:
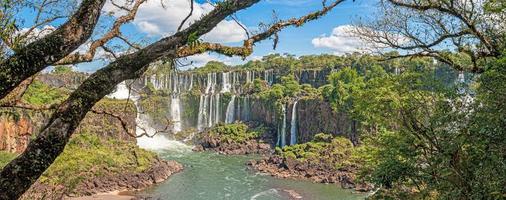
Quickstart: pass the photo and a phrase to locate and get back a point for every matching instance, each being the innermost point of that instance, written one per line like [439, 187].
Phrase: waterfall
[283, 127]
[201, 114]
[175, 113]
[209, 83]
[269, 76]
[226, 86]
[217, 109]
[121, 92]
[210, 115]
[245, 109]
[248, 76]
[461, 78]
[191, 82]
[293, 125]
[230, 111]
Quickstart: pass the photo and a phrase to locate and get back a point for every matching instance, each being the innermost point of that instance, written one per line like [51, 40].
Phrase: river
[211, 176]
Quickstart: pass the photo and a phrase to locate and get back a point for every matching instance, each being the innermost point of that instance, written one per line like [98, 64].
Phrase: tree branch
[46, 51]
[114, 32]
[247, 48]
[187, 17]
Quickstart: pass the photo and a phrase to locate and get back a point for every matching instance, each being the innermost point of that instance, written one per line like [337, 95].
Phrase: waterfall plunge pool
[211, 176]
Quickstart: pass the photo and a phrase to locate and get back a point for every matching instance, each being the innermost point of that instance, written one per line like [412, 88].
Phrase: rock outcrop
[160, 171]
[244, 140]
[313, 171]
[231, 148]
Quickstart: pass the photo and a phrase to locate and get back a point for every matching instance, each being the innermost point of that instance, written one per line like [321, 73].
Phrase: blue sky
[326, 35]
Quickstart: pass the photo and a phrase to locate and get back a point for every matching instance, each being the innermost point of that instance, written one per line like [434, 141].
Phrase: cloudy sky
[326, 35]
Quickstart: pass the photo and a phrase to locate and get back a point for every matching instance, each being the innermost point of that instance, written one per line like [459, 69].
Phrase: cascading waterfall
[293, 125]
[201, 120]
[217, 109]
[121, 92]
[283, 128]
[230, 111]
[175, 112]
[226, 82]
[211, 107]
[245, 108]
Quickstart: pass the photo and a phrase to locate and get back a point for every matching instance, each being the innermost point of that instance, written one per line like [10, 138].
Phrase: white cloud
[35, 33]
[157, 20]
[344, 40]
[341, 41]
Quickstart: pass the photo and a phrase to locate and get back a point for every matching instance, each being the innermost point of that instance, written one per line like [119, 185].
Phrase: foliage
[234, 133]
[324, 148]
[425, 138]
[39, 94]
[61, 69]
[211, 67]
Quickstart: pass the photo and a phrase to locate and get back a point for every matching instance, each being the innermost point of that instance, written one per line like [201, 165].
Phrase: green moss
[6, 157]
[87, 156]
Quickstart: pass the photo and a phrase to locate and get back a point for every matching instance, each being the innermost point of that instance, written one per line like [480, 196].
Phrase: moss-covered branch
[247, 48]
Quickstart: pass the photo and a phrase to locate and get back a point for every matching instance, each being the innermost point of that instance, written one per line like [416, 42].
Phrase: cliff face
[17, 126]
[200, 100]
[70, 80]
[109, 125]
[316, 116]
[14, 135]
[313, 116]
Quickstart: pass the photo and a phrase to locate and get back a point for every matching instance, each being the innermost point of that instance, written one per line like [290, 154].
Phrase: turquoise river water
[211, 176]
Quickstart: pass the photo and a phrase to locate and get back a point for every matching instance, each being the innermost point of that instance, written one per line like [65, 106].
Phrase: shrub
[237, 133]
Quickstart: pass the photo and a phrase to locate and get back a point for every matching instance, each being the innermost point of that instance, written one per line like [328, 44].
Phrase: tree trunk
[353, 133]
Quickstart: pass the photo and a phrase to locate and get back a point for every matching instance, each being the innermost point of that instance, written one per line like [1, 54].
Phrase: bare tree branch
[113, 32]
[187, 17]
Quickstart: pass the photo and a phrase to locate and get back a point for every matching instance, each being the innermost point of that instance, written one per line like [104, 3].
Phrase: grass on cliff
[39, 94]
[6, 157]
[87, 156]
[325, 149]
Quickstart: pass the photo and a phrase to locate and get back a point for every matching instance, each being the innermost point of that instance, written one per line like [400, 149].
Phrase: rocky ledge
[233, 148]
[159, 171]
[290, 168]
[236, 139]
